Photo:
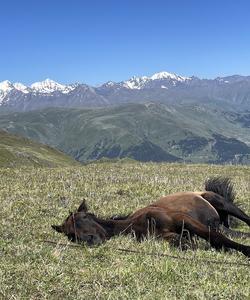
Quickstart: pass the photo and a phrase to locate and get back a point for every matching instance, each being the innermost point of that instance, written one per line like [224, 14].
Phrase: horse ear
[57, 228]
[83, 206]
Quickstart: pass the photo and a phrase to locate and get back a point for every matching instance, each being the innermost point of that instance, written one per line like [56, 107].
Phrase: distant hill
[145, 132]
[16, 151]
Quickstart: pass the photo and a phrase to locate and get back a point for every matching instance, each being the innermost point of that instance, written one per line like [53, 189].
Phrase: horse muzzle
[90, 240]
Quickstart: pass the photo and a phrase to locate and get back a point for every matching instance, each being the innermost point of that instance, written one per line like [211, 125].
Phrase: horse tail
[222, 186]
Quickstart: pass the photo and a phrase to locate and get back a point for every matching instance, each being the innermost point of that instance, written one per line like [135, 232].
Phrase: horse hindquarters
[216, 239]
[225, 208]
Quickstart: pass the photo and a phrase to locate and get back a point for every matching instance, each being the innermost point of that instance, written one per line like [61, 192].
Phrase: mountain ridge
[145, 132]
[162, 87]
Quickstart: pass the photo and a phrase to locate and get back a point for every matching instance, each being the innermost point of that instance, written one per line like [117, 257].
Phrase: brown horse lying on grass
[169, 218]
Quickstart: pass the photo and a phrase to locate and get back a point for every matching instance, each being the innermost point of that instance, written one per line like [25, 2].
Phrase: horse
[195, 213]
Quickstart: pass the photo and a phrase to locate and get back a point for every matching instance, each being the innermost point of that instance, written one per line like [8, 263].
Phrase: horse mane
[114, 217]
[119, 217]
[222, 186]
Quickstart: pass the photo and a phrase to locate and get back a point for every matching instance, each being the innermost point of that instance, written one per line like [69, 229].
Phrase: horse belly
[192, 204]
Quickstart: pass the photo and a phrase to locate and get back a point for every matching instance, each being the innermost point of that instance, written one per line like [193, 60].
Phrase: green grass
[17, 151]
[31, 201]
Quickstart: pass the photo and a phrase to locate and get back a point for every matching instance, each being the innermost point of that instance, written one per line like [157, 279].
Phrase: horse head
[81, 227]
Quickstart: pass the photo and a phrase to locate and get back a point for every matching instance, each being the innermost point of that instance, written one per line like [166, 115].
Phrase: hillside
[145, 132]
[16, 151]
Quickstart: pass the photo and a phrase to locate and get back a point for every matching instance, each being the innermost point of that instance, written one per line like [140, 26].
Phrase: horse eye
[80, 222]
[83, 216]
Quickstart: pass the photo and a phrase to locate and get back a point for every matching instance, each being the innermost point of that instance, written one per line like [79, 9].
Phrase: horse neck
[115, 227]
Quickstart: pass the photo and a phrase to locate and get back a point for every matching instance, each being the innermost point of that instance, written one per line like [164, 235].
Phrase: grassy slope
[30, 203]
[16, 151]
[86, 133]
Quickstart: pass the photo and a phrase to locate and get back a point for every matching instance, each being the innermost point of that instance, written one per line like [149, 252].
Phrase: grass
[17, 151]
[32, 199]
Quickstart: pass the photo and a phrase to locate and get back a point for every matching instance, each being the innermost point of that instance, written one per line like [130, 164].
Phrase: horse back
[192, 204]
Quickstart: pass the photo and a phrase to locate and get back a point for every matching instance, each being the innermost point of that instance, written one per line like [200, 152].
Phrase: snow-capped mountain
[160, 87]
[5, 87]
[45, 87]
[135, 82]
[21, 87]
[170, 76]
[155, 80]
[8, 90]
[50, 86]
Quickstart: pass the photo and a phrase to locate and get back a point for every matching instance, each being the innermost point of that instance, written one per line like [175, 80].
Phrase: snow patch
[135, 82]
[6, 86]
[49, 86]
[222, 80]
[167, 75]
[110, 83]
[21, 87]
[140, 82]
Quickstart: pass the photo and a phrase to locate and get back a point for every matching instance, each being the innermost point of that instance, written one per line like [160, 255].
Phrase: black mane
[119, 217]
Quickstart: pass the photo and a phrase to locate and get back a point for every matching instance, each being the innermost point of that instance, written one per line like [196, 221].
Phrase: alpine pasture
[34, 198]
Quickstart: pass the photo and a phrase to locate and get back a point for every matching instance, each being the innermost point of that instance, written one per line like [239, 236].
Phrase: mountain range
[232, 92]
[164, 117]
[144, 132]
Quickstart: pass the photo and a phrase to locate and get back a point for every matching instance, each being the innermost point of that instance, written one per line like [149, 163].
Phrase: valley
[144, 132]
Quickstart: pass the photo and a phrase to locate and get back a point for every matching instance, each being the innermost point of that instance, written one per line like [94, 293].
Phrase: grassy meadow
[17, 151]
[34, 198]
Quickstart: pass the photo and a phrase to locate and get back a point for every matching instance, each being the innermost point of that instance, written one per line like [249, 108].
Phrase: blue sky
[96, 41]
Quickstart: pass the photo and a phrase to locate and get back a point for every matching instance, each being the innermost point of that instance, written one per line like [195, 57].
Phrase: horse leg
[224, 218]
[234, 211]
[183, 242]
[172, 238]
[225, 208]
[234, 233]
[216, 239]
[160, 224]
